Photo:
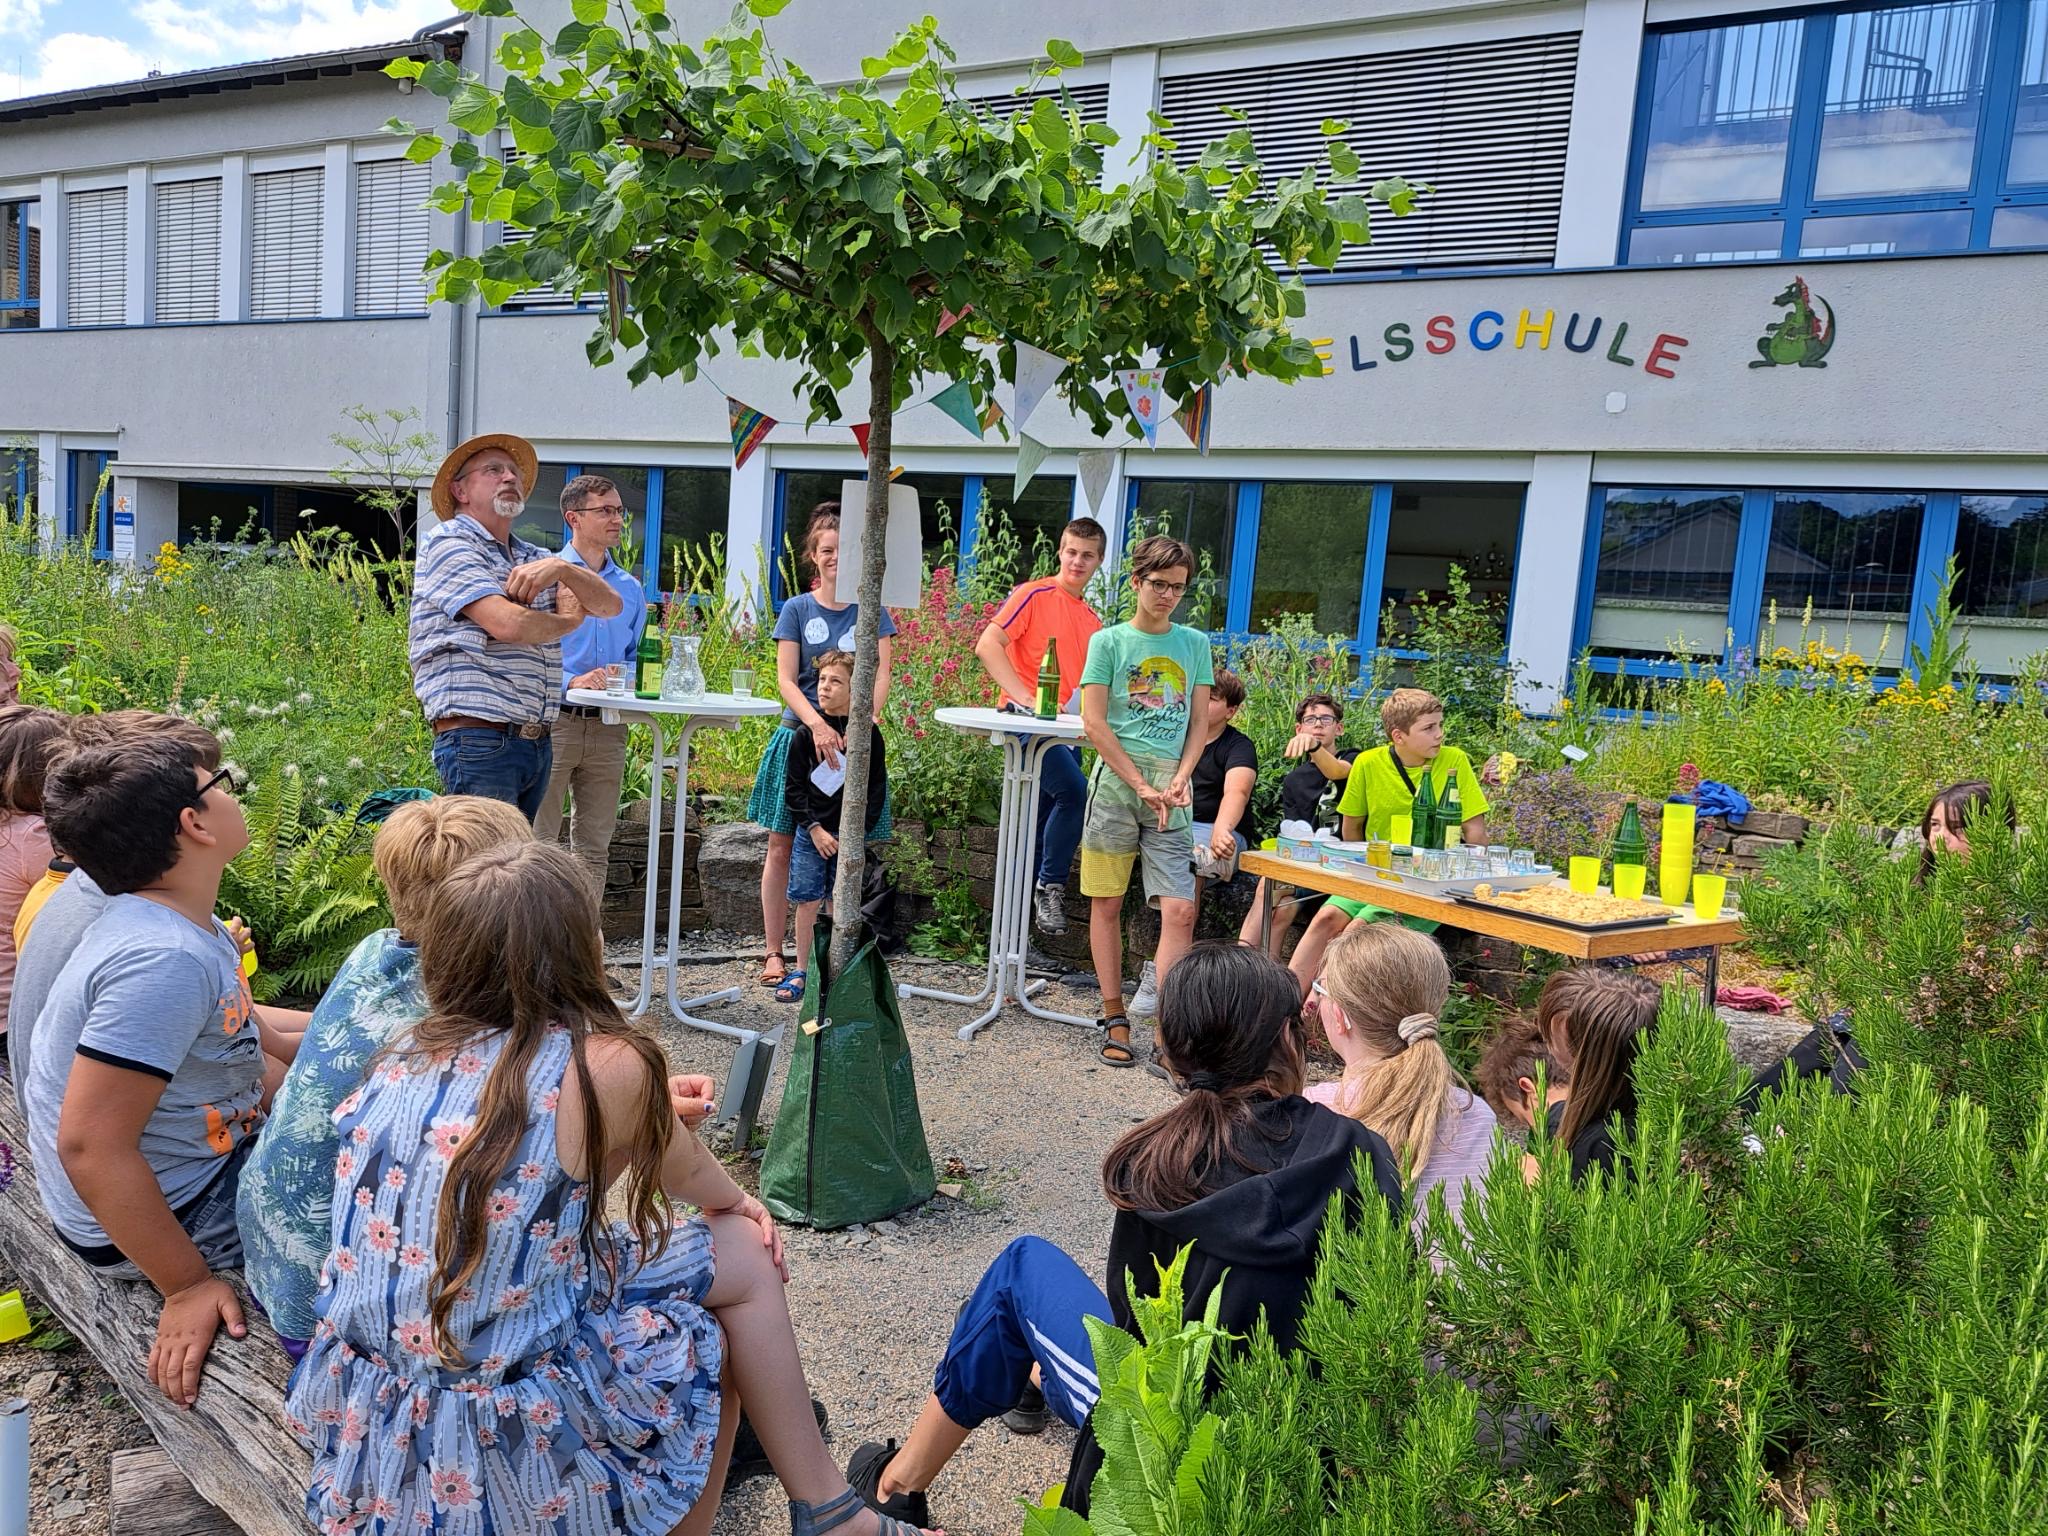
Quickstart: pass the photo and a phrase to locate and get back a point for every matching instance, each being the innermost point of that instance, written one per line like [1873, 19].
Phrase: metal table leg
[1031, 783]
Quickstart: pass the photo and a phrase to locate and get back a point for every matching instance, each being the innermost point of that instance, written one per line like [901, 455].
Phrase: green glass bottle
[1426, 833]
[1630, 846]
[1047, 704]
[1450, 816]
[648, 659]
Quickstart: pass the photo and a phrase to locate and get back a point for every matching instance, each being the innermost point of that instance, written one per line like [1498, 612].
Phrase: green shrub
[1832, 1317]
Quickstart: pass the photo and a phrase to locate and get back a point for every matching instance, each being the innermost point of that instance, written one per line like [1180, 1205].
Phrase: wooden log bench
[232, 1444]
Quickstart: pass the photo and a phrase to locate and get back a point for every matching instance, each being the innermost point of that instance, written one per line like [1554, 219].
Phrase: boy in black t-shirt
[1225, 776]
[1309, 793]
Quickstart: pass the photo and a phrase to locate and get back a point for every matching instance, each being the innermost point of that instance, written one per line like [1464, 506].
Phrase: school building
[1711, 308]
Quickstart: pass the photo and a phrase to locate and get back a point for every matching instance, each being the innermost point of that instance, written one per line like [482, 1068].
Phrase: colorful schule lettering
[1489, 328]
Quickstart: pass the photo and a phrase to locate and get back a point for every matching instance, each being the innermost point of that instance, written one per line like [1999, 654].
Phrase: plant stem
[866, 653]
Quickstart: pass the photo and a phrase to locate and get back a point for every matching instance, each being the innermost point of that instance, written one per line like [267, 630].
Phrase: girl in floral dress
[493, 1355]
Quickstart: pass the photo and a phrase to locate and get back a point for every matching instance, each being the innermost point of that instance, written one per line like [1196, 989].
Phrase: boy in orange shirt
[1012, 648]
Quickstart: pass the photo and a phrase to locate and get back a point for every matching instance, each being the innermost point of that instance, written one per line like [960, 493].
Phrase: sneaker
[1049, 906]
[1028, 1416]
[1145, 1001]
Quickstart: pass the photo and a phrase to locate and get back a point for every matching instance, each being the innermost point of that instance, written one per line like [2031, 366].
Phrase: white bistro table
[1024, 740]
[720, 711]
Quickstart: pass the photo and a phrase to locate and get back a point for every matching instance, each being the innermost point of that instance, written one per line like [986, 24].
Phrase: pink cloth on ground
[24, 858]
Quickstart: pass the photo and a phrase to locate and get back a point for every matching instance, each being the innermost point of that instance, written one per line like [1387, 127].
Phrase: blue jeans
[496, 765]
[810, 873]
[1062, 807]
[1026, 1310]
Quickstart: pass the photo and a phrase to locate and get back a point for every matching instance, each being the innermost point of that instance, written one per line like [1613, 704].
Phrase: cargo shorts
[1118, 831]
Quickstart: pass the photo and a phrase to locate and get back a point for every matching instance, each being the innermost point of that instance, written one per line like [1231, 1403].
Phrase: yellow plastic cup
[1401, 830]
[1707, 894]
[13, 1318]
[1268, 844]
[1585, 873]
[249, 961]
[1628, 881]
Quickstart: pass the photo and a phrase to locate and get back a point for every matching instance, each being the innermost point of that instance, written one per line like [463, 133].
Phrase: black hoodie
[1262, 1228]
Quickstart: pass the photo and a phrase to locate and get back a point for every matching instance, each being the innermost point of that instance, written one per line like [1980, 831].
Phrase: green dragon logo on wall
[1798, 339]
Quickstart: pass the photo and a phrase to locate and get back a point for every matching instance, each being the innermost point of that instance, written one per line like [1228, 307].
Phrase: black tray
[1619, 926]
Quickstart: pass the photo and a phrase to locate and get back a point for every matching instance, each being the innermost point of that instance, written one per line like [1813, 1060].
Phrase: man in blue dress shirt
[590, 756]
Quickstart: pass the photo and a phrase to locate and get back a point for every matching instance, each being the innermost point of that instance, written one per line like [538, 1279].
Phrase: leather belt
[583, 711]
[502, 727]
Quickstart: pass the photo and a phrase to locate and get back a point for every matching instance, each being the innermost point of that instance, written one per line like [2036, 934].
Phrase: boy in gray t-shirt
[149, 1068]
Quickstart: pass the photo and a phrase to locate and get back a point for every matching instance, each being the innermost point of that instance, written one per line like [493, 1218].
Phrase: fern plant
[306, 887]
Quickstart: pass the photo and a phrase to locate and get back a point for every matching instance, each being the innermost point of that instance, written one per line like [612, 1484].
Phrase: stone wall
[626, 877]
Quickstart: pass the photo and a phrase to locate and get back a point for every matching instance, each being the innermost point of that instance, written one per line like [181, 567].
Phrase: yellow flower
[1508, 764]
[1716, 686]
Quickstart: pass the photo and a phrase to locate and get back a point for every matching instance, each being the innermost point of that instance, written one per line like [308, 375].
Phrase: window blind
[1091, 101]
[98, 256]
[284, 243]
[393, 236]
[1484, 124]
[188, 250]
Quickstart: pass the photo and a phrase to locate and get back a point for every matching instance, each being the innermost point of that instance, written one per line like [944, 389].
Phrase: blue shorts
[810, 872]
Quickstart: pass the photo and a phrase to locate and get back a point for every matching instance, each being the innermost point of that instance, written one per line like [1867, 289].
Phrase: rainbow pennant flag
[1194, 418]
[749, 427]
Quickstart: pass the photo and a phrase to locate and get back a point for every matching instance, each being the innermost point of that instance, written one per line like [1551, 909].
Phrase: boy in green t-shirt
[1144, 684]
[1381, 786]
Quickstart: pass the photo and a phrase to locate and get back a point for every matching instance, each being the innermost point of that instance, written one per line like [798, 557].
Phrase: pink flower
[452, 1489]
[377, 1507]
[513, 1297]
[412, 1256]
[415, 1335]
[561, 1250]
[502, 1205]
[380, 1236]
[360, 1135]
[362, 1199]
[344, 1261]
[541, 1230]
[448, 1132]
[552, 1508]
[529, 1173]
[468, 1064]
[352, 1103]
[352, 1428]
[543, 1414]
[394, 1178]
[549, 1100]
[344, 1164]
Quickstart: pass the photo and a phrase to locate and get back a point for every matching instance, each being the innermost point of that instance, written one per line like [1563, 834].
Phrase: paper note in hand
[829, 776]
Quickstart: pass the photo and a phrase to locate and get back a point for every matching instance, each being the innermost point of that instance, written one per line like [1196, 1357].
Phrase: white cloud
[173, 35]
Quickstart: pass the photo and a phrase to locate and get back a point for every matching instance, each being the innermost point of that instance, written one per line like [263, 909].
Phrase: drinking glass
[1522, 861]
[1628, 881]
[1585, 873]
[743, 682]
[615, 678]
[1708, 892]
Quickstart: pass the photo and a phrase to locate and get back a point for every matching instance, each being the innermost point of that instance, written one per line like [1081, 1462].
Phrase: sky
[59, 45]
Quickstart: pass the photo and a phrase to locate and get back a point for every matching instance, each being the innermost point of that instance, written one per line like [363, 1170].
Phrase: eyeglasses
[1318, 988]
[1318, 720]
[604, 512]
[1166, 588]
[234, 778]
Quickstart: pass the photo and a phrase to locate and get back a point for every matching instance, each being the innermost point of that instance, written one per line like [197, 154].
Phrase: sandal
[865, 1471]
[791, 988]
[816, 1519]
[773, 970]
[1125, 1057]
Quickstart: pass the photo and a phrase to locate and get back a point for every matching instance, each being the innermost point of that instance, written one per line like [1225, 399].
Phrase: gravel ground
[1028, 1112]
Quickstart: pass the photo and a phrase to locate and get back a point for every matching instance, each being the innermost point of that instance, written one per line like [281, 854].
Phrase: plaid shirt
[457, 667]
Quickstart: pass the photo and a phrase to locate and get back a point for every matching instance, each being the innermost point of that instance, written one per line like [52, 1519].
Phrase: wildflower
[355, 765]
[291, 770]
[1716, 686]
[304, 697]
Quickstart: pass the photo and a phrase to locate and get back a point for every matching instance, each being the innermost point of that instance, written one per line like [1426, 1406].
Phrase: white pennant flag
[1096, 463]
[1030, 454]
[1144, 390]
[1037, 372]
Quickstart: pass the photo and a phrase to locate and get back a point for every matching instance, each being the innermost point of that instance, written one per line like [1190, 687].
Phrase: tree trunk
[853, 813]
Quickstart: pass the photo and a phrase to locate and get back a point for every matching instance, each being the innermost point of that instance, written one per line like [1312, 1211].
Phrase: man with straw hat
[489, 611]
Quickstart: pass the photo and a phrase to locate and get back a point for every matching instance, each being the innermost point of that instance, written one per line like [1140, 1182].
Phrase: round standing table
[1024, 739]
[720, 711]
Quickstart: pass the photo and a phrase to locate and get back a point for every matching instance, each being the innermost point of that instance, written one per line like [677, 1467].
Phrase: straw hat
[524, 459]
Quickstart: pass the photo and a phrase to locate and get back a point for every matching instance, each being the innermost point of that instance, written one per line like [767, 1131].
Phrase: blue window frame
[949, 508]
[21, 265]
[1859, 130]
[17, 481]
[1677, 579]
[88, 509]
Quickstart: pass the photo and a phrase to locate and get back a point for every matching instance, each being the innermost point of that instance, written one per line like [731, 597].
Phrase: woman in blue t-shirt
[810, 624]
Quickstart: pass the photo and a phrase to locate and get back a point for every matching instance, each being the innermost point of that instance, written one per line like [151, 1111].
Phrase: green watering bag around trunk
[849, 1142]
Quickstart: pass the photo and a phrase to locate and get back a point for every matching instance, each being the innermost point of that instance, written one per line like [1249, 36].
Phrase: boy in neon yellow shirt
[1381, 786]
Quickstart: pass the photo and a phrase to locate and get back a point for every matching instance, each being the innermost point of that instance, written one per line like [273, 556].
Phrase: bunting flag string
[1030, 454]
[993, 416]
[859, 429]
[1194, 418]
[948, 318]
[1037, 371]
[957, 401]
[1143, 390]
[749, 427]
[1095, 464]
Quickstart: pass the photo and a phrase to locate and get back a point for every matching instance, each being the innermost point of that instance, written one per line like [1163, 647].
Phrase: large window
[1203, 515]
[2002, 552]
[89, 499]
[21, 265]
[188, 250]
[1868, 130]
[1035, 518]
[17, 482]
[694, 507]
[940, 503]
[1434, 526]
[541, 522]
[285, 227]
[393, 235]
[1681, 575]
[1311, 554]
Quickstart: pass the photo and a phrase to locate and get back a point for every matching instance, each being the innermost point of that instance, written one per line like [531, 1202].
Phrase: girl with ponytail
[1241, 1169]
[493, 1353]
[1381, 998]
